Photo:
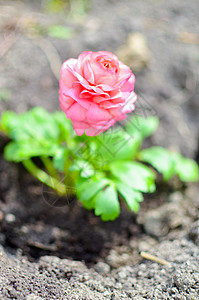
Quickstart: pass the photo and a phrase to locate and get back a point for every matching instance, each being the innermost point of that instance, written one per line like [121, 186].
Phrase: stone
[135, 52]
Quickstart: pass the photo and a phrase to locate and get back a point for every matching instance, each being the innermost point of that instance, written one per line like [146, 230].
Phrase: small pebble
[176, 197]
[115, 296]
[34, 297]
[102, 268]
[106, 293]
[122, 275]
[10, 218]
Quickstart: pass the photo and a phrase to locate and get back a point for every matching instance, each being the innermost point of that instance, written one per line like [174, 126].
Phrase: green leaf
[107, 204]
[59, 158]
[135, 175]
[117, 144]
[187, 169]
[21, 151]
[161, 159]
[85, 168]
[55, 6]
[60, 32]
[131, 196]
[36, 133]
[12, 152]
[64, 124]
[6, 118]
[86, 190]
[144, 127]
[34, 124]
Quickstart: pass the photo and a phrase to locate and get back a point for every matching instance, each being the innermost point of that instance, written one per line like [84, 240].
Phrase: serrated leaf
[135, 175]
[42, 122]
[132, 197]
[85, 168]
[34, 124]
[88, 189]
[186, 169]
[144, 127]
[36, 133]
[161, 159]
[117, 144]
[107, 204]
[21, 151]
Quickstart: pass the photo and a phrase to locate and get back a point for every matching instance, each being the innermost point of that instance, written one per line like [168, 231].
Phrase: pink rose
[96, 90]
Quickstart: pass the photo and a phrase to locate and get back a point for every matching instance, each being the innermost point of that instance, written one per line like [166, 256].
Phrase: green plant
[99, 169]
[74, 8]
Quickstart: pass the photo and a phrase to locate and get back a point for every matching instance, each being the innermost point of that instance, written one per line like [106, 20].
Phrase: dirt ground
[66, 252]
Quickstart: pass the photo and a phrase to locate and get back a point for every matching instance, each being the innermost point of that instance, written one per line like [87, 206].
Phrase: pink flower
[96, 90]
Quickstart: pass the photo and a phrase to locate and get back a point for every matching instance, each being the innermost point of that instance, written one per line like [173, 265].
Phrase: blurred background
[158, 39]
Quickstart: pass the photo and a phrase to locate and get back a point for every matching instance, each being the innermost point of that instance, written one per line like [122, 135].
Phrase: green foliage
[186, 169]
[161, 159]
[60, 32]
[60, 158]
[107, 204]
[134, 175]
[34, 133]
[142, 127]
[102, 170]
[117, 144]
[55, 6]
[73, 8]
[130, 195]
[169, 164]
[86, 169]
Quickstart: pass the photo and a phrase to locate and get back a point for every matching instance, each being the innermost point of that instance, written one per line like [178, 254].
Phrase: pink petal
[88, 72]
[129, 85]
[66, 75]
[97, 114]
[93, 131]
[80, 125]
[129, 104]
[110, 104]
[65, 102]
[125, 71]
[115, 112]
[75, 94]
[86, 93]
[79, 131]
[82, 58]
[99, 99]
[81, 79]
[76, 112]
[93, 88]
[104, 53]
[107, 81]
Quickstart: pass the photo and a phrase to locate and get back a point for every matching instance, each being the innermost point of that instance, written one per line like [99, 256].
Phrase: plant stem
[49, 167]
[50, 181]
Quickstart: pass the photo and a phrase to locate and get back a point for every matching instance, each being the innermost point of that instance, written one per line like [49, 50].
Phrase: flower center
[107, 64]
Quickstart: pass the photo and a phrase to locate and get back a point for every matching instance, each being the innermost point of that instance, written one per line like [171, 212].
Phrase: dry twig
[154, 258]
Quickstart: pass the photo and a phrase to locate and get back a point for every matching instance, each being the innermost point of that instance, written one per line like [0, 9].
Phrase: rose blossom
[96, 90]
